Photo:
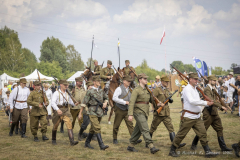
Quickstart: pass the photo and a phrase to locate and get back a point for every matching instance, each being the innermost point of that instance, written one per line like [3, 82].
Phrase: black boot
[88, 140]
[172, 136]
[154, 150]
[151, 134]
[36, 139]
[208, 152]
[115, 141]
[100, 142]
[94, 137]
[16, 129]
[139, 141]
[71, 138]
[44, 138]
[24, 130]
[131, 149]
[61, 128]
[223, 145]
[54, 135]
[11, 129]
[173, 151]
[80, 134]
[236, 149]
[194, 143]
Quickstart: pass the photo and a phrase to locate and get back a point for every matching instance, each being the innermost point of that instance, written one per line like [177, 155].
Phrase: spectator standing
[4, 90]
[231, 90]
[157, 83]
[53, 87]
[235, 94]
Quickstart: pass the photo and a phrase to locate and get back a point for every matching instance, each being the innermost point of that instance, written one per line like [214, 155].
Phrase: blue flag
[198, 65]
[205, 69]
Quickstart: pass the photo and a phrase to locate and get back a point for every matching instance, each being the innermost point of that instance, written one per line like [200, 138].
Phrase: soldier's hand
[79, 116]
[105, 105]
[40, 105]
[209, 103]
[224, 108]
[130, 118]
[46, 104]
[76, 103]
[127, 102]
[11, 110]
[94, 72]
[109, 77]
[59, 112]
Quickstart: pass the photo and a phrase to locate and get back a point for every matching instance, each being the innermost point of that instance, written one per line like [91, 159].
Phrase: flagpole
[119, 53]
[91, 53]
[165, 52]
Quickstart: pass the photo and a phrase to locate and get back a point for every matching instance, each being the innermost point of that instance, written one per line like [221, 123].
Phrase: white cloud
[232, 15]
[236, 44]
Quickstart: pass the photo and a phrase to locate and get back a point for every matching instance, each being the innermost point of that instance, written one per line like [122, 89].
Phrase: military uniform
[97, 69]
[211, 117]
[105, 72]
[126, 72]
[37, 114]
[236, 148]
[139, 108]
[95, 113]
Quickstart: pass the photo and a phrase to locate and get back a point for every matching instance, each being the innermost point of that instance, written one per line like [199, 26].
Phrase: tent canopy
[4, 78]
[77, 74]
[34, 76]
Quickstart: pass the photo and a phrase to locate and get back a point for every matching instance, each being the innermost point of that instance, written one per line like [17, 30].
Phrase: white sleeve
[116, 94]
[12, 96]
[55, 101]
[188, 97]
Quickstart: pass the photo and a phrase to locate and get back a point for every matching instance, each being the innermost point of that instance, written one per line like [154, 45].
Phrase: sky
[208, 30]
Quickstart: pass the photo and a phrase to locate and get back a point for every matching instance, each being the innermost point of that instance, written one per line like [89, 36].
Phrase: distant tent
[77, 74]
[34, 76]
[236, 70]
[4, 78]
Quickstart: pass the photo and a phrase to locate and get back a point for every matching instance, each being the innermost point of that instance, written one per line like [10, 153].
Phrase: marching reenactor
[121, 97]
[95, 112]
[191, 117]
[236, 148]
[210, 115]
[106, 75]
[97, 68]
[38, 112]
[19, 107]
[139, 108]
[161, 93]
[60, 105]
[126, 69]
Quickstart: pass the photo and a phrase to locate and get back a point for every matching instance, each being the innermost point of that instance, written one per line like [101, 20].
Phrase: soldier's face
[143, 81]
[127, 84]
[165, 84]
[37, 87]
[193, 81]
[96, 63]
[213, 83]
[79, 84]
[127, 64]
[96, 83]
[23, 85]
[109, 65]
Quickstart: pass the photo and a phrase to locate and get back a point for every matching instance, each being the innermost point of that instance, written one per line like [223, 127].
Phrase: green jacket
[157, 92]
[106, 72]
[98, 69]
[91, 103]
[126, 70]
[139, 94]
[78, 93]
[34, 99]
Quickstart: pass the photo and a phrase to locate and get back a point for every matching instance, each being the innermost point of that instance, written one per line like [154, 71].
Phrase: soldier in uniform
[60, 104]
[19, 107]
[191, 117]
[236, 148]
[38, 112]
[139, 108]
[97, 68]
[95, 112]
[77, 93]
[106, 75]
[126, 69]
[121, 97]
[210, 115]
[161, 93]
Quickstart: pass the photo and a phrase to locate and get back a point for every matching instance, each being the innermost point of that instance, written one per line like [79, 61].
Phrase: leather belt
[183, 113]
[61, 106]
[21, 101]
[142, 102]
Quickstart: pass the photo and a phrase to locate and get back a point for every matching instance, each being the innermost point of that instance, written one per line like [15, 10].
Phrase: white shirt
[192, 102]
[6, 101]
[23, 94]
[232, 81]
[56, 101]
[4, 90]
[116, 94]
[49, 95]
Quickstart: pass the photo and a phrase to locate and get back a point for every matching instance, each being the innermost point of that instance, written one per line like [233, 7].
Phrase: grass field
[19, 148]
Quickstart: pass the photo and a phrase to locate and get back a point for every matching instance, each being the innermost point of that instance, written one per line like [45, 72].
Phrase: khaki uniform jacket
[33, 100]
[98, 69]
[126, 70]
[208, 92]
[106, 72]
[139, 94]
[157, 92]
[78, 95]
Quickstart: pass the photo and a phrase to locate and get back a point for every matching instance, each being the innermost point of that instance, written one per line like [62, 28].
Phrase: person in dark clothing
[235, 93]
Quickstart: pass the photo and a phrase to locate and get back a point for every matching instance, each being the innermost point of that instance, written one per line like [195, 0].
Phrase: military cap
[109, 62]
[79, 79]
[142, 75]
[89, 83]
[37, 83]
[94, 61]
[8, 92]
[193, 75]
[96, 78]
[231, 73]
[165, 78]
[23, 80]
[157, 77]
[212, 77]
[127, 61]
[128, 78]
[63, 81]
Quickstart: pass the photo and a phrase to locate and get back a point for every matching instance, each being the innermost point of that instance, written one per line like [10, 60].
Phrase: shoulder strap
[126, 94]
[162, 91]
[16, 97]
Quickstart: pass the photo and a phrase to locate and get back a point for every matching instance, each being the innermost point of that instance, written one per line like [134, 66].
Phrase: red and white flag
[162, 36]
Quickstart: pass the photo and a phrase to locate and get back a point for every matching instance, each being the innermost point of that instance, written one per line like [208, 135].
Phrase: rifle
[133, 71]
[186, 78]
[73, 99]
[99, 104]
[155, 98]
[165, 102]
[102, 63]
[44, 98]
[215, 92]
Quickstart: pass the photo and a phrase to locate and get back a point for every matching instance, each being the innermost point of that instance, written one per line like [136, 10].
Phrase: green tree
[179, 65]
[74, 59]
[29, 60]
[92, 64]
[51, 68]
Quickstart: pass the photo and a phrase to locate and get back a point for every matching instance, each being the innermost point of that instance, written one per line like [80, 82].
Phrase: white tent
[77, 74]
[5, 78]
[34, 76]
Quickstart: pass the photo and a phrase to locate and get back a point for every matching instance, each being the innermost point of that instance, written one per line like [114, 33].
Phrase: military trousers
[167, 121]
[34, 122]
[95, 124]
[214, 121]
[239, 144]
[20, 114]
[186, 124]
[141, 128]
[66, 117]
[86, 121]
[75, 113]
[119, 116]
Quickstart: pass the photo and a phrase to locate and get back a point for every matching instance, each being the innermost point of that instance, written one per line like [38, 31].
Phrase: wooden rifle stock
[44, 98]
[133, 71]
[155, 98]
[165, 102]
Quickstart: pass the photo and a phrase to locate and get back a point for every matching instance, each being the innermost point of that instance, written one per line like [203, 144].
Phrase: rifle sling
[16, 98]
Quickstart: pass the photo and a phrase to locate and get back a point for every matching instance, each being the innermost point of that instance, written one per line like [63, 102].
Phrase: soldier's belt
[183, 113]
[142, 102]
[61, 106]
[92, 106]
[21, 101]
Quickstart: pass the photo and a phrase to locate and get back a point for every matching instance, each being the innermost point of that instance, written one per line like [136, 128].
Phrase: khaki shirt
[159, 94]
[139, 94]
[126, 70]
[34, 99]
[98, 69]
[78, 94]
[106, 72]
